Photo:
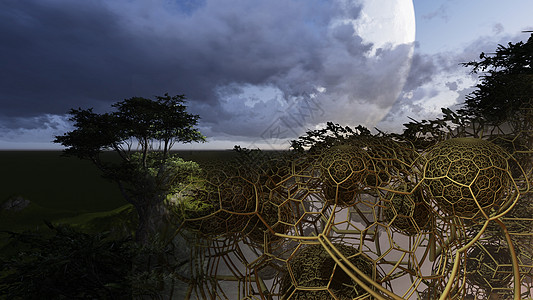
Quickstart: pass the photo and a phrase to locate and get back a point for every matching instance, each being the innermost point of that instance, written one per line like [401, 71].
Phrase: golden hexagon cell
[313, 267]
[466, 176]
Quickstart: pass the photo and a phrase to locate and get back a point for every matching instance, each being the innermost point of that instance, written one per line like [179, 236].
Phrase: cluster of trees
[141, 133]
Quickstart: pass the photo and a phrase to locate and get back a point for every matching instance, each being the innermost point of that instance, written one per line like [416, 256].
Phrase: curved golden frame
[368, 218]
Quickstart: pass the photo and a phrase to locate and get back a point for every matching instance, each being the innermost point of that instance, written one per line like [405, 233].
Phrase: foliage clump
[141, 132]
[67, 264]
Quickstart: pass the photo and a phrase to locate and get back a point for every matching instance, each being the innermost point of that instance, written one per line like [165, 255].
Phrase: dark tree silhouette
[142, 132]
[505, 91]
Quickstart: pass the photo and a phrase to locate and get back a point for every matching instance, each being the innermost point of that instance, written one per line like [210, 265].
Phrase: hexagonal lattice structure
[391, 160]
[488, 266]
[313, 267]
[343, 169]
[467, 177]
[408, 213]
[264, 230]
[271, 218]
[228, 201]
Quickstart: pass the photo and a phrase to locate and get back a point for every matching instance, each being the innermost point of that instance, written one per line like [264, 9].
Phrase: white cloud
[439, 81]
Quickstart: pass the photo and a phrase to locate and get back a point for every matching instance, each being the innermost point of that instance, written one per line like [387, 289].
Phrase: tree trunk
[151, 214]
[173, 257]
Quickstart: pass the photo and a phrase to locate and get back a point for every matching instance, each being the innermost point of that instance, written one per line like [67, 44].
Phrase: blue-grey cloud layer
[60, 54]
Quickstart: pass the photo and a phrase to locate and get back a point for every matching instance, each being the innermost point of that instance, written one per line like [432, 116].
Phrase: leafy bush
[66, 265]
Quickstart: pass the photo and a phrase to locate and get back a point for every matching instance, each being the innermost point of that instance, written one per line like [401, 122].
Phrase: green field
[64, 189]
[55, 182]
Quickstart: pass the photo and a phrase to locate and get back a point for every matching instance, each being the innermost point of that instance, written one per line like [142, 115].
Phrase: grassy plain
[65, 189]
[55, 182]
[67, 183]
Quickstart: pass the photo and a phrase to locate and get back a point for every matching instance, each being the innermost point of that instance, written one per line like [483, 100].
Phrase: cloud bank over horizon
[241, 64]
[257, 72]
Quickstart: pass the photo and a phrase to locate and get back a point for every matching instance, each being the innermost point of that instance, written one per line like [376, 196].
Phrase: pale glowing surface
[386, 22]
[388, 25]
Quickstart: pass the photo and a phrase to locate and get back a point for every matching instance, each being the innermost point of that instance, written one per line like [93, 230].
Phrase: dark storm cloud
[426, 73]
[41, 121]
[61, 54]
[54, 56]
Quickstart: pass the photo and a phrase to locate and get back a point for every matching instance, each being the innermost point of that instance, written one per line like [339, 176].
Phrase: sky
[258, 72]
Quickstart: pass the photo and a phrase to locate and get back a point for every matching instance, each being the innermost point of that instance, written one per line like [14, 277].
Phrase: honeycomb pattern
[228, 200]
[313, 267]
[489, 266]
[343, 168]
[364, 218]
[271, 218]
[467, 177]
[409, 213]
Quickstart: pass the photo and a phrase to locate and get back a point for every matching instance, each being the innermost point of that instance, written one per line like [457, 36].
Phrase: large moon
[390, 26]
[347, 64]
[387, 22]
[390, 22]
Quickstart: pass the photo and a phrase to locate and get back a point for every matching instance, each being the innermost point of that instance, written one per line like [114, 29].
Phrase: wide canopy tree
[505, 90]
[142, 132]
